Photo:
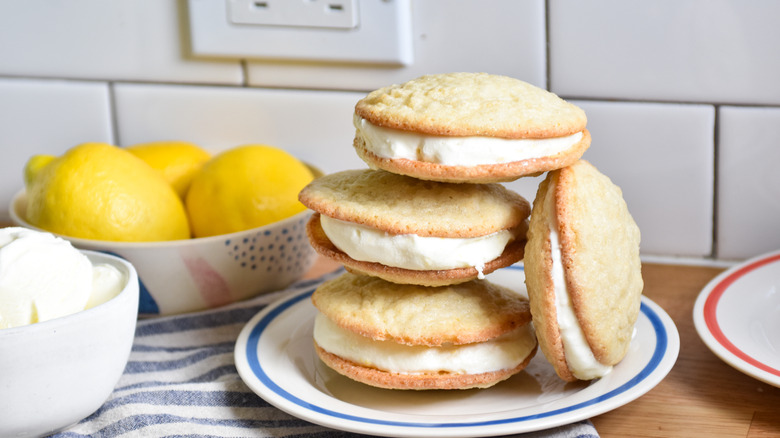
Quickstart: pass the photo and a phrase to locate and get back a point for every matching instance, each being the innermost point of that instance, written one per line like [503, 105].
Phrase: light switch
[344, 31]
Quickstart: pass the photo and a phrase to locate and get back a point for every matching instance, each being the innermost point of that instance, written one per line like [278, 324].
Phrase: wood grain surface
[702, 396]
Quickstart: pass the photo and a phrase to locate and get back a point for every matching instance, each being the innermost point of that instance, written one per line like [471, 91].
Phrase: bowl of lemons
[202, 230]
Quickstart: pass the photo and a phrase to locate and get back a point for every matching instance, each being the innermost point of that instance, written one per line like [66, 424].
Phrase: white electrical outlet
[346, 31]
[341, 14]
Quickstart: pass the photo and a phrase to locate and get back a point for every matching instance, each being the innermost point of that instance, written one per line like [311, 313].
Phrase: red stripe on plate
[711, 317]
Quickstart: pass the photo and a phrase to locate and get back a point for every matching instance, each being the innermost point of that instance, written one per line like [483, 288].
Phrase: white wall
[682, 96]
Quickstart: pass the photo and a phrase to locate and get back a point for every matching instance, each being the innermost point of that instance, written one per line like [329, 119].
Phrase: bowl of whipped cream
[67, 323]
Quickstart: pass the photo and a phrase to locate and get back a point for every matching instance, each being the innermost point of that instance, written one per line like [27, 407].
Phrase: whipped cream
[506, 351]
[410, 251]
[43, 277]
[456, 151]
[107, 282]
[579, 356]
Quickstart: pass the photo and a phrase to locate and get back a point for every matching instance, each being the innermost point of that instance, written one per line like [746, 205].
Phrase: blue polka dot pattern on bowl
[282, 250]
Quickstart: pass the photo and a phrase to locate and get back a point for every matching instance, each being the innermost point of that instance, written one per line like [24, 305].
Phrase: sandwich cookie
[412, 231]
[468, 127]
[469, 335]
[583, 272]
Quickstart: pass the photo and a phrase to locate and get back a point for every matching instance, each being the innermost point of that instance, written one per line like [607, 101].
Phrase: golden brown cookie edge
[539, 283]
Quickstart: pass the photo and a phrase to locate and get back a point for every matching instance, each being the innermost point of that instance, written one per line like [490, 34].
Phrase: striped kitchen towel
[181, 381]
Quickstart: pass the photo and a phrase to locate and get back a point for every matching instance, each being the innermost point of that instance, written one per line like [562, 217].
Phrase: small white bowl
[196, 274]
[57, 372]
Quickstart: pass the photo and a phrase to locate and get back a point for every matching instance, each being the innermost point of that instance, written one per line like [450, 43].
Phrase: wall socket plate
[337, 14]
[343, 31]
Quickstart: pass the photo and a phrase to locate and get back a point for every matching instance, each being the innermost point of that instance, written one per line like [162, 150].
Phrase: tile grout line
[548, 75]
[715, 179]
[245, 84]
[244, 73]
[114, 116]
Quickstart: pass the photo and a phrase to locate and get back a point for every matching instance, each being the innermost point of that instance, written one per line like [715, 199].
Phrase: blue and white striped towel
[181, 381]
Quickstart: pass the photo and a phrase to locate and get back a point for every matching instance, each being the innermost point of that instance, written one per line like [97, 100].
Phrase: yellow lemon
[245, 187]
[99, 191]
[177, 161]
[34, 165]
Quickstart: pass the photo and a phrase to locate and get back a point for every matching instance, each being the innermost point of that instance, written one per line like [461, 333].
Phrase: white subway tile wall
[46, 117]
[497, 36]
[748, 181]
[681, 95]
[141, 40]
[722, 51]
[315, 126]
[661, 155]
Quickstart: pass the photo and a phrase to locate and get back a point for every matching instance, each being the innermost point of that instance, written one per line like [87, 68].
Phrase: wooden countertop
[702, 396]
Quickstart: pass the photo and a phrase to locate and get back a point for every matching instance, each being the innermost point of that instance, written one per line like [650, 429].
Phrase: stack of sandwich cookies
[469, 335]
[583, 272]
[419, 230]
[410, 231]
[468, 127]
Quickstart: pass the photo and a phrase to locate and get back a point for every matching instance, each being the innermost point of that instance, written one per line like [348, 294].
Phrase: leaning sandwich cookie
[469, 335]
[583, 272]
[411, 231]
[468, 127]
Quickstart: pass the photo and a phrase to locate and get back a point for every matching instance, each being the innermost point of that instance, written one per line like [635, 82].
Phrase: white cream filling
[505, 352]
[579, 356]
[43, 277]
[410, 251]
[456, 151]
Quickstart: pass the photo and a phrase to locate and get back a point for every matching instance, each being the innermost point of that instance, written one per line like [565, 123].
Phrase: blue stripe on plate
[257, 369]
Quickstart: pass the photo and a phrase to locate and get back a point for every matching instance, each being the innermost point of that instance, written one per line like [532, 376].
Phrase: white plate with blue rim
[275, 357]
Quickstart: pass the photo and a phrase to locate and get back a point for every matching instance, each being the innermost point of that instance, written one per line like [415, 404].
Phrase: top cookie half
[468, 127]
[472, 104]
[398, 204]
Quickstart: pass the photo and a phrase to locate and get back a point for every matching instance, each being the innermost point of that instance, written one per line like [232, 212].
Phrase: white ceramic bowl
[196, 274]
[57, 372]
